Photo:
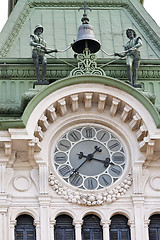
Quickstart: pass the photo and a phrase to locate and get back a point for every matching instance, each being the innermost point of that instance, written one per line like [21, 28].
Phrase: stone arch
[65, 211]
[151, 213]
[102, 94]
[123, 212]
[95, 212]
[29, 212]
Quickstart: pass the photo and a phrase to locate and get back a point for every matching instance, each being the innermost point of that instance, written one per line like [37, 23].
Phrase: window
[119, 229]
[64, 230]
[91, 229]
[154, 227]
[25, 230]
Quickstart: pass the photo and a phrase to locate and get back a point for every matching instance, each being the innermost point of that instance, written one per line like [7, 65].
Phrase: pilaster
[138, 202]
[44, 202]
[3, 223]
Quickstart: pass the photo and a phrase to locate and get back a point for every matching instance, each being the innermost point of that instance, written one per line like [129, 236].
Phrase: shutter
[24, 229]
[125, 234]
[153, 234]
[114, 235]
[69, 234]
[97, 235]
[86, 235]
[19, 235]
[154, 227]
[64, 230]
[91, 229]
[58, 234]
[31, 235]
[119, 229]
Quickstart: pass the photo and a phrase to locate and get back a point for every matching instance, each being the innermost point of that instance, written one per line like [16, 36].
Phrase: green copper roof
[61, 19]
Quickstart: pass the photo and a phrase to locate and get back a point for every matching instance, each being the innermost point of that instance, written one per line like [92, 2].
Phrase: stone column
[132, 229]
[105, 225]
[78, 225]
[52, 223]
[12, 229]
[146, 229]
[138, 202]
[38, 229]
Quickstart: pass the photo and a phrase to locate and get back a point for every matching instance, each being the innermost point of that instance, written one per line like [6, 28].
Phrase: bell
[86, 39]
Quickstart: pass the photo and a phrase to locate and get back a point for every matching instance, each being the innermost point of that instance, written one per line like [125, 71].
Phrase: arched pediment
[104, 95]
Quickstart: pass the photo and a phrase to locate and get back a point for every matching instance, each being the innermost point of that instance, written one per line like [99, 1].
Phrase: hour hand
[81, 155]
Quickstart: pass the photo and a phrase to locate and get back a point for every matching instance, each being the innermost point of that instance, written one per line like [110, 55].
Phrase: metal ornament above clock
[89, 158]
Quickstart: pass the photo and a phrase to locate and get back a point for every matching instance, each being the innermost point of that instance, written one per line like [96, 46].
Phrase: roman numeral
[60, 159]
[103, 136]
[105, 181]
[118, 159]
[113, 145]
[74, 136]
[89, 132]
[64, 170]
[63, 145]
[116, 171]
[75, 180]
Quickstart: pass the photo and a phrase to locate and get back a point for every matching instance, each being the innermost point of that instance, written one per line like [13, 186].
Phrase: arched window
[24, 229]
[154, 227]
[119, 229]
[91, 229]
[64, 230]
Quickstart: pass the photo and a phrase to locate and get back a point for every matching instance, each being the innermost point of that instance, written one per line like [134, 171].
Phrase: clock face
[89, 157]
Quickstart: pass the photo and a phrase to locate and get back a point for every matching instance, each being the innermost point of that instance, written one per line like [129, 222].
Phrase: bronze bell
[86, 39]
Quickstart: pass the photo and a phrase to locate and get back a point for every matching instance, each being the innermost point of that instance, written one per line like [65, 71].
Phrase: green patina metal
[61, 19]
[17, 77]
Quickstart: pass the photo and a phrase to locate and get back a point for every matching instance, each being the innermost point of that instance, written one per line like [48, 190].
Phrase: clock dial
[89, 157]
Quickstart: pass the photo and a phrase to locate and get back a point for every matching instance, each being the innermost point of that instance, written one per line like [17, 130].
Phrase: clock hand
[90, 155]
[106, 161]
[76, 170]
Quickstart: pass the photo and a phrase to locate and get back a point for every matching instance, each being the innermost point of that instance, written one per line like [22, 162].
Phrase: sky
[152, 6]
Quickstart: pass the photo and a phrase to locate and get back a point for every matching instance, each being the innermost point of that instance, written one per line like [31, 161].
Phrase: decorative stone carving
[90, 199]
[22, 183]
[155, 182]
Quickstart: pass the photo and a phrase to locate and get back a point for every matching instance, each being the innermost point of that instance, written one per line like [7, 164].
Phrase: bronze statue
[132, 54]
[39, 51]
